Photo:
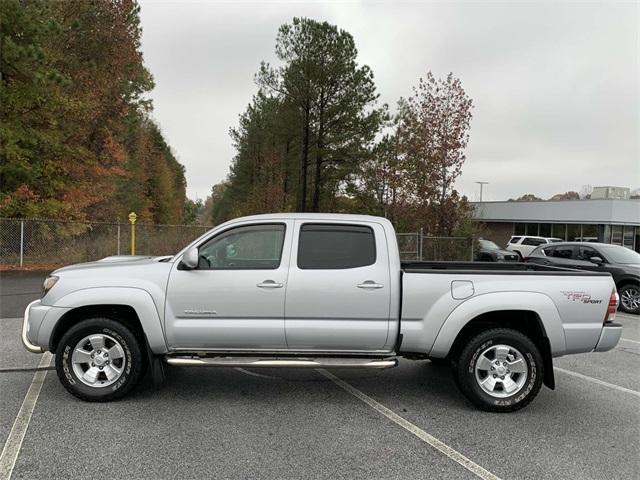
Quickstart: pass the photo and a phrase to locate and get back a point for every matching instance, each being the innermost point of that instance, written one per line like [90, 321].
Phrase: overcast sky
[556, 86]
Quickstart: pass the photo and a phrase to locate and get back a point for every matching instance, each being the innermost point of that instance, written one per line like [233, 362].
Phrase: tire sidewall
[534, 366]
[132, 356]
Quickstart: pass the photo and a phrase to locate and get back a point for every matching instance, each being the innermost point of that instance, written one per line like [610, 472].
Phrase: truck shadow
[420, 381]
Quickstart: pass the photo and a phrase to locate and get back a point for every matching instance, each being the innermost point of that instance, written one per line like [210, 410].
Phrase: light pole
[482, 184]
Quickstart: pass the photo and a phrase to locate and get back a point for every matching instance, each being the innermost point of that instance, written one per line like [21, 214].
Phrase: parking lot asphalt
[288, 423]
[17, 289]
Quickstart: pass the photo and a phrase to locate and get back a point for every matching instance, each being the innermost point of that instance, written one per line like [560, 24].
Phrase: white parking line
[24, 369]
[629, 340]
[253, 374]
[599, 382]
[14, 442]
[410, 427]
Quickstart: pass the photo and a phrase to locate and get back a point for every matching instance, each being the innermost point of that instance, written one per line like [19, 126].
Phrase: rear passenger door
[562, 256]
[338, 290]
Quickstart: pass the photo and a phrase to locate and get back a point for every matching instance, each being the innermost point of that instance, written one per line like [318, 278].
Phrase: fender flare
[539, 303]
[138, 299]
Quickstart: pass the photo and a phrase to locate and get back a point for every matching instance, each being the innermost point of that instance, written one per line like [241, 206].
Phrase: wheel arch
[623, 282]
[531, 313]
[124, 314]
[527, 322]
[131, 306]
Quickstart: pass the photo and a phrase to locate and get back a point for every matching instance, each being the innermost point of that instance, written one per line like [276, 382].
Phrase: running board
[254, 362]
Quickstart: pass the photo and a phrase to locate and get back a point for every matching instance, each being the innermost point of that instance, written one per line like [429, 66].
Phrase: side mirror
[190, 259]
[596, 260]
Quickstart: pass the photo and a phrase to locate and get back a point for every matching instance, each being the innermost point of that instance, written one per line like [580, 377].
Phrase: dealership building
[607, 220]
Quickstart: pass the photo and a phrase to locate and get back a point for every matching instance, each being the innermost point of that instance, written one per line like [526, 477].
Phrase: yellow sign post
[132, 220]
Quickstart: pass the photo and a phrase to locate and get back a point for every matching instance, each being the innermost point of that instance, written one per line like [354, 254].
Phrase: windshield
[621, 254]
[488, 244]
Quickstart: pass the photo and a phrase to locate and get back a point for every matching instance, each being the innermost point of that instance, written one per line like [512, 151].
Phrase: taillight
[612, 308]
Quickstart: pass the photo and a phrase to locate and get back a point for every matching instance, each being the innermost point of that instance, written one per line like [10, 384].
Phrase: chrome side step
[255, 362]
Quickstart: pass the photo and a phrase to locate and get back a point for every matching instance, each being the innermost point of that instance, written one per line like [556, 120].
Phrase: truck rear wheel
[99, 360]
[500, 370]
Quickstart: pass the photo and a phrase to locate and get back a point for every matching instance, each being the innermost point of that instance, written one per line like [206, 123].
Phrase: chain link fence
[416, 246]
[52, 243]
[47, 244]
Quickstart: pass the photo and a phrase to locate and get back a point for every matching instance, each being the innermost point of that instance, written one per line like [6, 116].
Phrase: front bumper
[27, 328]
[609, 337]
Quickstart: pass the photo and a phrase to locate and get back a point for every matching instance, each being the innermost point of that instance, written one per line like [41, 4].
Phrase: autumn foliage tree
[314, 139]
[411, 175]
[76, 140]
[433, 132]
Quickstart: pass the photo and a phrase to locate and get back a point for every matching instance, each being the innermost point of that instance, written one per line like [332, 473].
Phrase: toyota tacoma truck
[319, 291]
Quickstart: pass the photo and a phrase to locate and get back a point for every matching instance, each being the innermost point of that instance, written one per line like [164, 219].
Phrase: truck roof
[312, 216]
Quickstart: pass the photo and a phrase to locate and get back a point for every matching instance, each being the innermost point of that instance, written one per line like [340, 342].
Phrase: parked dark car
[621, 262]
[490, 252]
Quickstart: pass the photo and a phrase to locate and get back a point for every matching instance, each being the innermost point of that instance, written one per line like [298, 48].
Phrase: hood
[114, 261]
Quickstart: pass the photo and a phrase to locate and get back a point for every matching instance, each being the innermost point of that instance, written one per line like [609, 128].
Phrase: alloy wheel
[98, 360]
[501, 371]
[630, 299]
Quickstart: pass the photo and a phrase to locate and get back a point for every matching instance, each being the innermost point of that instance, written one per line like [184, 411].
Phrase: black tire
[519, 255]
[625, 290]
[133, 360]
[465, 375]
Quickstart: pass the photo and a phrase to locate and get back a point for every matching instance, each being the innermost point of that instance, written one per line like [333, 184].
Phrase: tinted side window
[533, 241]
[548, 251]
[514, 239]
[255, 247]
[323, 246]
[563, 252]
[585, 253]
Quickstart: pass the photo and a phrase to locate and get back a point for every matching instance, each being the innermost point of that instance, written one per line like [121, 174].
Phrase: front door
[234, 300]
[338, 293]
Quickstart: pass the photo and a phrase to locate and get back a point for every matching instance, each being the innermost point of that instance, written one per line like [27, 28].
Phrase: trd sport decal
[583, 297]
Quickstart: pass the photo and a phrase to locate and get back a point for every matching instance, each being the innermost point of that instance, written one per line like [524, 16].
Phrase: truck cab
[330, 275]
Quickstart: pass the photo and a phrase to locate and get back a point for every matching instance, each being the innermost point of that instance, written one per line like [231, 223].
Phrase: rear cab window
[335, 246]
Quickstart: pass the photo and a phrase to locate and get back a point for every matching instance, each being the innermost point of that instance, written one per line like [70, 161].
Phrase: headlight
[500, 256]
[48, 284]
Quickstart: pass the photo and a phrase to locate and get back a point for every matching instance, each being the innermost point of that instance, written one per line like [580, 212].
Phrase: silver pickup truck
[317, 290]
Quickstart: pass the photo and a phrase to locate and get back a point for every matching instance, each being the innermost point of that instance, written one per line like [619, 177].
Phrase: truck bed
[497, 268]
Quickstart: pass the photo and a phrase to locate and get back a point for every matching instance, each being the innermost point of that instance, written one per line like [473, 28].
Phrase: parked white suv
[523, 245]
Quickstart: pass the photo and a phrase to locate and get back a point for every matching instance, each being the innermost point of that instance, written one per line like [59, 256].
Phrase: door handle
[370, 284]
[269, 284]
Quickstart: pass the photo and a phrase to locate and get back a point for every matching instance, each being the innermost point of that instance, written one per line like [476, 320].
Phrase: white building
[608, 220]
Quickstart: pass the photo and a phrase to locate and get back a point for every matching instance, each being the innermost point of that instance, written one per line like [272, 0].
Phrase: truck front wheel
[499, 370]
[99, 360]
